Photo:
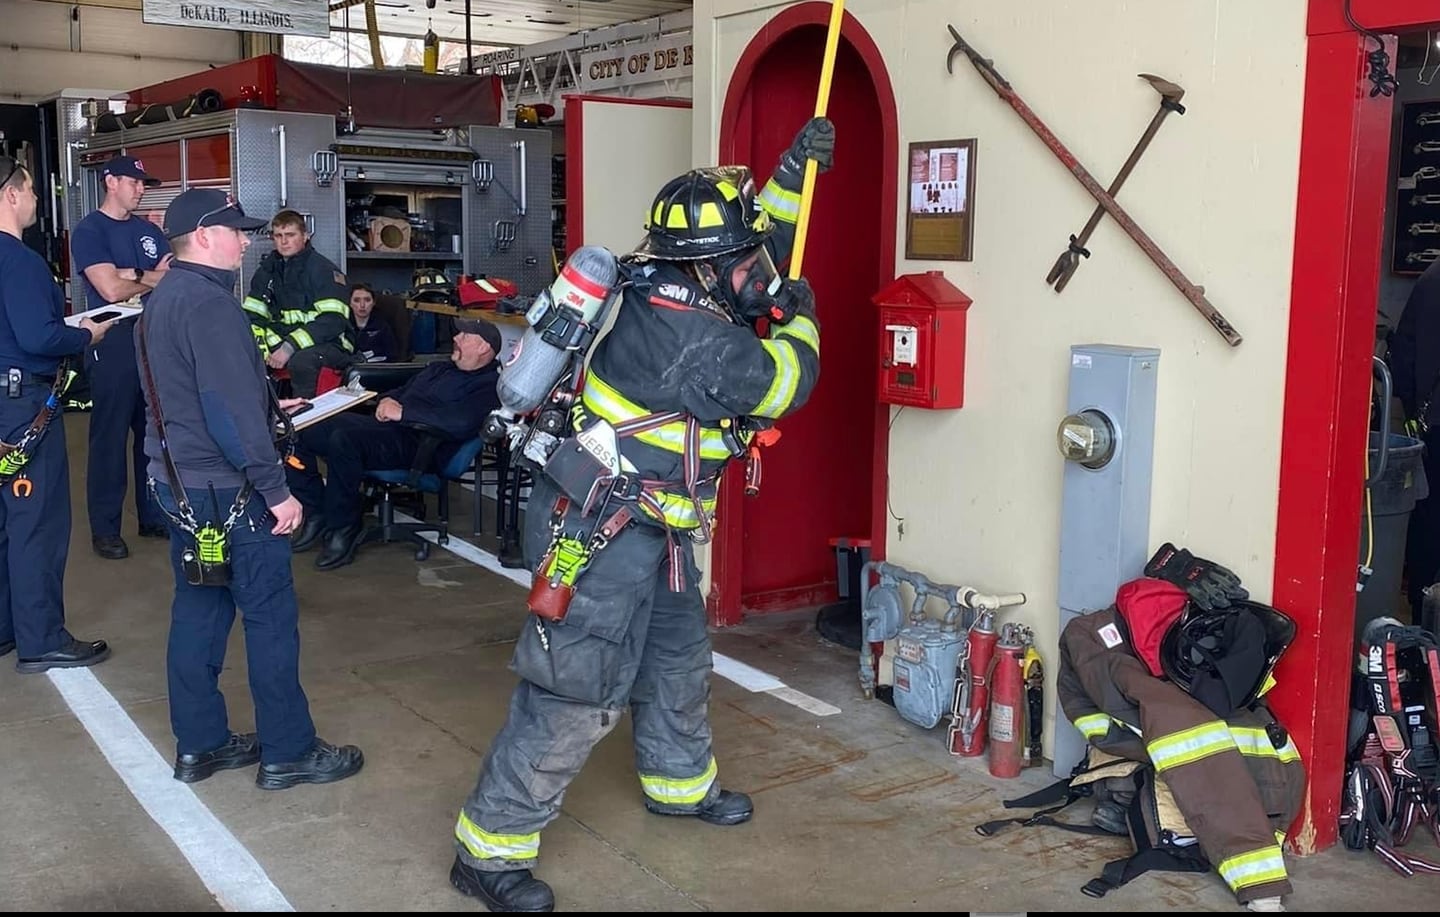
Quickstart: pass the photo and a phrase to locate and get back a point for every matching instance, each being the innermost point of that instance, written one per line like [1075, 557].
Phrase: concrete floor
[855, 811]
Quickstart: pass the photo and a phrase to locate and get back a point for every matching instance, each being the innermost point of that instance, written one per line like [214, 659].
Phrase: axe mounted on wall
[1107, 202]
[1069, 260]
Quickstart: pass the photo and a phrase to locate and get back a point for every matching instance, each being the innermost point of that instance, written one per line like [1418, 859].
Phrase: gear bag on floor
[1157, 830]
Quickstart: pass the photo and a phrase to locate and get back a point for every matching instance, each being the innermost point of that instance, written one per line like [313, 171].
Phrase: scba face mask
[759, 287]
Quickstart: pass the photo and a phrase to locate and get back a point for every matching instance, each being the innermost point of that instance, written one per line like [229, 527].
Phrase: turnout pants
[117, 429]
[34, 532]
[262, 589]
[626, 641]
[351, 445]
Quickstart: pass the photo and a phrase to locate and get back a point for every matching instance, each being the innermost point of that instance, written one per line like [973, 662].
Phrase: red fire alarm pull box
[922, 341]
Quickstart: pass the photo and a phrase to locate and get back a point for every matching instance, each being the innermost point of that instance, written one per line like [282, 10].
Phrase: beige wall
[629, 152]
[979, 488]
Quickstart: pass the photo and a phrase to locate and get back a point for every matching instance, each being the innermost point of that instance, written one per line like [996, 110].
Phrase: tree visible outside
[398, 52]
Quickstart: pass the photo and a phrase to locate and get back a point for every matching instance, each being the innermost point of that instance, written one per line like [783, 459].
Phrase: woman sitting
[374, 341]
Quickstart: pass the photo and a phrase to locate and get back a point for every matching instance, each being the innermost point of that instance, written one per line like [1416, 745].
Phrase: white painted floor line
[228, 870]
[477, 556]
[804, 701]
[752, 679]
[746, 676]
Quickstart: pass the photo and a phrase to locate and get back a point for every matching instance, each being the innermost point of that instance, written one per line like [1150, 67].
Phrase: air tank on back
[563, 320]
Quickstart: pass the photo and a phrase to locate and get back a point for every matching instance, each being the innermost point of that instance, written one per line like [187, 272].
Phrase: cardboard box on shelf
[389, 235]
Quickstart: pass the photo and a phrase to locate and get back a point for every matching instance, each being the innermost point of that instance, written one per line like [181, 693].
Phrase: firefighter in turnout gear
[298, 307]
[709, 346]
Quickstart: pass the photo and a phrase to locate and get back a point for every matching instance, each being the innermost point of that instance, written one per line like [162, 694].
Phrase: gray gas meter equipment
[1108, 441]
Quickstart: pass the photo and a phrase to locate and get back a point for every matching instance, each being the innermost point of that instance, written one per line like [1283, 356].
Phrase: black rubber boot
[727, 808]
[513, 891]
[1111, 817]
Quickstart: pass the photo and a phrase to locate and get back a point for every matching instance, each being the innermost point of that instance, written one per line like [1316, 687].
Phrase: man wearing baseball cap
[215, 469]
[451, 396]
[119, 255]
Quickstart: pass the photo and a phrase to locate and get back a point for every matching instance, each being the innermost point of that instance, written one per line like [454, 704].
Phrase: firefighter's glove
[816, 141]
[1209, 585]
[795, 298]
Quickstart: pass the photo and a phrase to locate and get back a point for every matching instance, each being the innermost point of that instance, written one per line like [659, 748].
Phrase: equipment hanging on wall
[1002, 88]
[1069, 260]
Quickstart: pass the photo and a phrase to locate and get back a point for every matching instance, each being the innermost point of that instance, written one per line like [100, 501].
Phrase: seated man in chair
[449, 397]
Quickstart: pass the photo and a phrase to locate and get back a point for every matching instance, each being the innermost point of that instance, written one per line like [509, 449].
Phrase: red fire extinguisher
[972, 689]
[1007, 702]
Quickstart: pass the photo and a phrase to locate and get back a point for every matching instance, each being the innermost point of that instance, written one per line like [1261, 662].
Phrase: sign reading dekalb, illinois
[281, 17]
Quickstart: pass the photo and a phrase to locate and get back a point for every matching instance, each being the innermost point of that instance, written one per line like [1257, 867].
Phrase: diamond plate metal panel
[257, 170]
[527, 260]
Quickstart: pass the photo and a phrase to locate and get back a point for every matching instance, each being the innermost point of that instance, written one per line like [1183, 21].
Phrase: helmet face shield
[747, 282]
[761, 277]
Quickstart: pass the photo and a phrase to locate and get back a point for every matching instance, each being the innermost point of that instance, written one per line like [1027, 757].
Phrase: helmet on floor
[1224, 658]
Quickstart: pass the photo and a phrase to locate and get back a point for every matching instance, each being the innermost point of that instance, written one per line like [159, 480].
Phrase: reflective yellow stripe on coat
[600, 399]
[1190, 745]
[1256, 743]
[781, 348]
[689, 791]
[779, 203]
[486, 846]
[1093, 726]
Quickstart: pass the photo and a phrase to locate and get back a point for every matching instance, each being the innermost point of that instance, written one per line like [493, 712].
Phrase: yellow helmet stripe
[675, 218]
[710, 215]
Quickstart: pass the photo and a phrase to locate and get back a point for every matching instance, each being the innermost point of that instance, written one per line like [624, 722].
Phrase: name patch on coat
[1110, 635]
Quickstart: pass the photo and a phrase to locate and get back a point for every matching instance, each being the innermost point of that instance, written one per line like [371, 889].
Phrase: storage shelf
[404, 256]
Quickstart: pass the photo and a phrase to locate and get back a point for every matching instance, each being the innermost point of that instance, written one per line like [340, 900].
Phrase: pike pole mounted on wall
[822, 103]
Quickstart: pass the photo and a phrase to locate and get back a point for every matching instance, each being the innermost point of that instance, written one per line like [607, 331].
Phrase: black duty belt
[29, 378]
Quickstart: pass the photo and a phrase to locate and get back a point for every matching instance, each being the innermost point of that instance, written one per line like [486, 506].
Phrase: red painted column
[1345, 143]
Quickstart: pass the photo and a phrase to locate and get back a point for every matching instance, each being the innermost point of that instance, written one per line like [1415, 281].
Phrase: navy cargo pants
[262, 589]
[34, 531]
[626, 641]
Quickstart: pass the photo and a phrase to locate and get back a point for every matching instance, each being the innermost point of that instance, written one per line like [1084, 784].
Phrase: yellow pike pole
[822, 102]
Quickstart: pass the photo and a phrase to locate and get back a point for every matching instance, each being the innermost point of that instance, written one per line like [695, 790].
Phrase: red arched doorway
[826, 477]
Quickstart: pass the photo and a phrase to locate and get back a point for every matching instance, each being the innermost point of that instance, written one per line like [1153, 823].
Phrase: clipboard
[126, 310]
[329, 404]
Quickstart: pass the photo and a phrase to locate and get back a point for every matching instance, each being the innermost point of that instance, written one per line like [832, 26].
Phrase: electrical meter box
[922, 341]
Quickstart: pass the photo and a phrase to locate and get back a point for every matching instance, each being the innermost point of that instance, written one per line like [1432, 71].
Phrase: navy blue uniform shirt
[99, 239]
[33, 333]
[448, 398]
[211, 384]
